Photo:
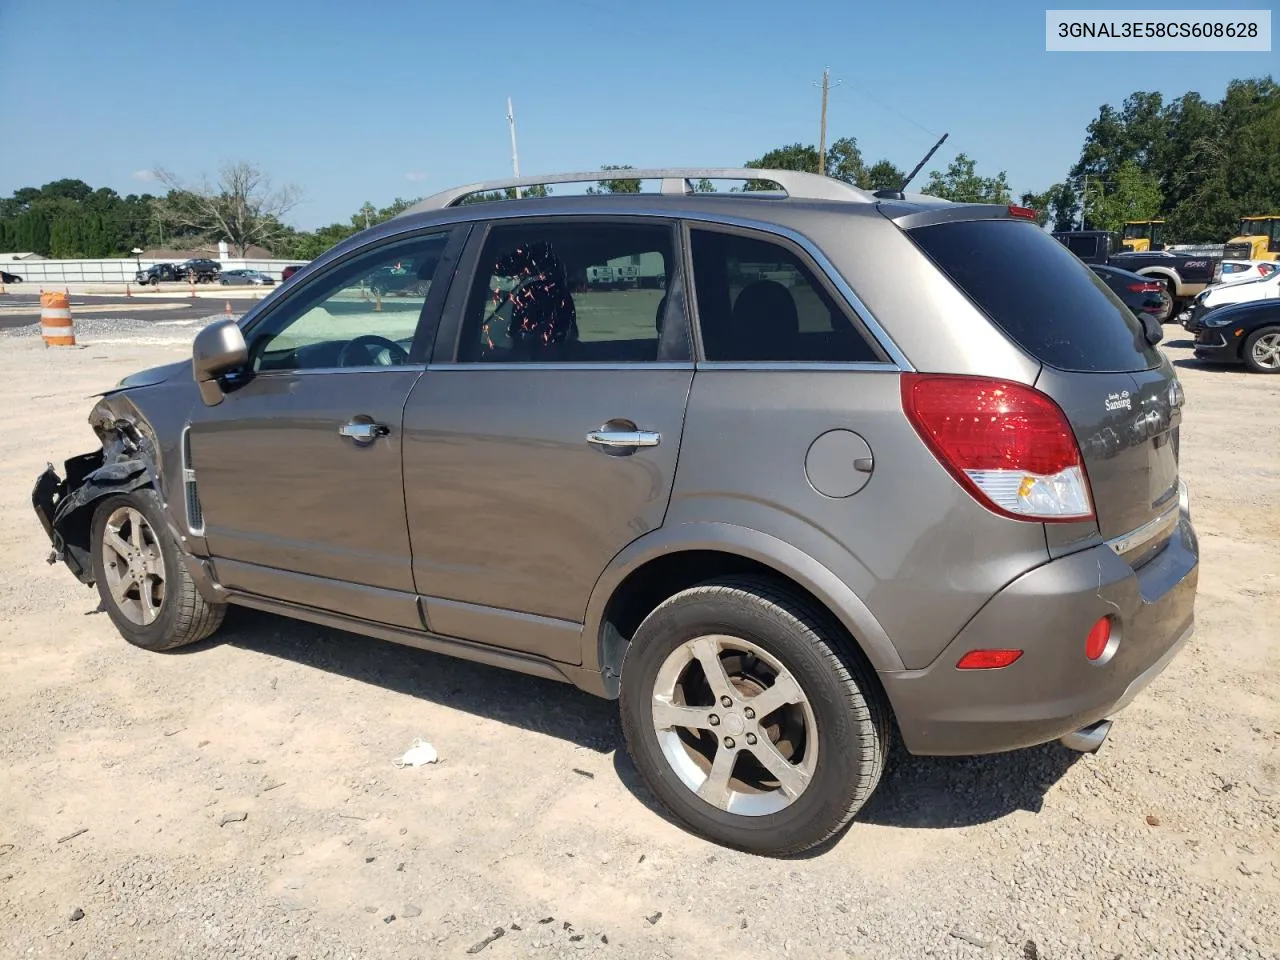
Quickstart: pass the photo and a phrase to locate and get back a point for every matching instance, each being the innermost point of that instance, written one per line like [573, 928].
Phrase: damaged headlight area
[64, 504]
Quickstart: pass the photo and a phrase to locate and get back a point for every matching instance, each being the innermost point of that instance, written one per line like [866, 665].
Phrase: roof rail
[677, 180]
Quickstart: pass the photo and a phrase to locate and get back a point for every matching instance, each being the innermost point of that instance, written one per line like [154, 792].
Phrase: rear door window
[1043, 298]
[758, 301]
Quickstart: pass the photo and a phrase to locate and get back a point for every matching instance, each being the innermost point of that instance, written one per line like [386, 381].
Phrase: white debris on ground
[420, 753]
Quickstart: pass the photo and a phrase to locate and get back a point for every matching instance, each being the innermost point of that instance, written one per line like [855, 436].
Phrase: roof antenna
[898, 194]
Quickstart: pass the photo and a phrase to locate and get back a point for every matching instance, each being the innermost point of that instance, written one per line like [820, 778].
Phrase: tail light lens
[1145, 287]
[1025, 213]
[1008, 445]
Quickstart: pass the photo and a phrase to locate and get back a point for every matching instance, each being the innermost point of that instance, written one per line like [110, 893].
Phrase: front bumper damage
[64, 505]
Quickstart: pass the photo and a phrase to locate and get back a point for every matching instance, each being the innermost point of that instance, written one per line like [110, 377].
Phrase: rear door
[544, 437]
[1119, 392]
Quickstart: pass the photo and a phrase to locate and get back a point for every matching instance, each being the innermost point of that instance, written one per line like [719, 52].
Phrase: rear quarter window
[1040, 295]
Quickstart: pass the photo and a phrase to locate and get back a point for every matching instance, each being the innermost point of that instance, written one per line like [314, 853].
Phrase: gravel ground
[239, 799]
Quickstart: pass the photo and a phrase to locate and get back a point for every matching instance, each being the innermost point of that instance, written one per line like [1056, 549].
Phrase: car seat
[765, 323]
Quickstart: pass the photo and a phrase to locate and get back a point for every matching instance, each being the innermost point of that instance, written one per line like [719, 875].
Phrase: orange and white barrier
[56, 327]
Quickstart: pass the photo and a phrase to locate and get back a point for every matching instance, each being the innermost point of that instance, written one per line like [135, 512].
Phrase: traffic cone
[377, 307]
[227, 308]
[127, 291]
[193, 288]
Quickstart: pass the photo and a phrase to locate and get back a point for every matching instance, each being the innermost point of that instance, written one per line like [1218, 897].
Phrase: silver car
[234, 278]
[860, 467]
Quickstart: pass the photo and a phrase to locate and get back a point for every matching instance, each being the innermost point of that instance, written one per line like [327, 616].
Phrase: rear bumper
[1052, 690]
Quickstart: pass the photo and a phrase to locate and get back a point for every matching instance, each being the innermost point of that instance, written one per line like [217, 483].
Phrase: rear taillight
[1145, 287]
[1025, 213]
[1009, 445]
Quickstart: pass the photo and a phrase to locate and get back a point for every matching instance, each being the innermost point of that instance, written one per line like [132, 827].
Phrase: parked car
[1147, 299]
[233, 278]
[200, 270]
[158, 273]
[6, 277]
[1183, 275]
[289, 271]
[1233, 271]
[1247, 333]
[1224, 294]
[781, 528]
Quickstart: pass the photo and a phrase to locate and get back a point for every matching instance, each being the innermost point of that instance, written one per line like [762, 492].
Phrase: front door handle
[363, 431]
[624, 438]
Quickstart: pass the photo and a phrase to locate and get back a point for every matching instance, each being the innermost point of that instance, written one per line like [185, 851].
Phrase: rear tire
[791, 776]
[1261, 350]
[141, 578]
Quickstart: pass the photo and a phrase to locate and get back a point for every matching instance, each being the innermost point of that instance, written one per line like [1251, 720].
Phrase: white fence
[118, 269]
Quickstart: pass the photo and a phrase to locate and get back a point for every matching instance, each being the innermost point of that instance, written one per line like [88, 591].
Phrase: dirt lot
[238, 799]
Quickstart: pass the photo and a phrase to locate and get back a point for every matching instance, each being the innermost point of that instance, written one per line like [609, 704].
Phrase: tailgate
[1127, 428]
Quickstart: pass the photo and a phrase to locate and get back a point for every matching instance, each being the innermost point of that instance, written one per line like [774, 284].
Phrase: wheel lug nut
[749, 713]
[728, 742]
[751, 739]
[726, 702]
[713, 720]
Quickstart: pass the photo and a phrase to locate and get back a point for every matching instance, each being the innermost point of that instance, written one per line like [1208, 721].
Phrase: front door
[547, 439]
[298, 469]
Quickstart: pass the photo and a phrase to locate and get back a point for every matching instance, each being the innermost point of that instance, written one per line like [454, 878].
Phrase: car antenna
[898, 194]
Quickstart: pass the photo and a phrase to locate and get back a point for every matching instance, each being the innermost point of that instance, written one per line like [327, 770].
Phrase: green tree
[1134, 195]
[1039, 202]
[962, 184]
[616, 185]
[882, 175]
[843, 162]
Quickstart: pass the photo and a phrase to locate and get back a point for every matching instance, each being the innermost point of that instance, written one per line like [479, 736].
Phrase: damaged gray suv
[789, 472]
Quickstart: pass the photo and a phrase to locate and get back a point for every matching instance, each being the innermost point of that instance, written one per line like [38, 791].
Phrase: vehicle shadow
[1190, 363]
[949, 792]
[1186, 342]
[531, 703]
[916, 792]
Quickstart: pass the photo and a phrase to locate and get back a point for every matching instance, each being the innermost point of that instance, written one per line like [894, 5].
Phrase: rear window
[1039, 294]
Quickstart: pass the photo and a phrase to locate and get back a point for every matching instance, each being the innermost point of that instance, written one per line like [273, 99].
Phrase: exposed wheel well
[647, 586]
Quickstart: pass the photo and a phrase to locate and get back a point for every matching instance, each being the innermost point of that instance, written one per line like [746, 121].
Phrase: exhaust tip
[1087, 739]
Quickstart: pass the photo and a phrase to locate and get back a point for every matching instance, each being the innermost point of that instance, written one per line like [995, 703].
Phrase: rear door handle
[624, 438]
[363, 432]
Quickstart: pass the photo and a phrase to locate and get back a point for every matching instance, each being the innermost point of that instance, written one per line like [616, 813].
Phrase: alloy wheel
[734, 725]
[1266, 351]
[133, 565]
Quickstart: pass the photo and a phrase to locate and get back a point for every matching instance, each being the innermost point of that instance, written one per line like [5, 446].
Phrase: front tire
[1262, 350]
[750, 718]
[141, 578]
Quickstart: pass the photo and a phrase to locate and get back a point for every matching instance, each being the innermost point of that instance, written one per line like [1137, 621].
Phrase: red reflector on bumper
[1095, 644]
[987, 659]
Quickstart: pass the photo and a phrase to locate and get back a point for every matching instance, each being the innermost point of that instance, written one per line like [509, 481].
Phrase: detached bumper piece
[64, 506]
[49, 492]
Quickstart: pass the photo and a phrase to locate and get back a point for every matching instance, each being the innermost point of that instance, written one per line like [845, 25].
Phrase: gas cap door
[839, 464]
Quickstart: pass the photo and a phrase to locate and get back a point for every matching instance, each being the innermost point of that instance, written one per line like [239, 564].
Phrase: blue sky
[370, 101]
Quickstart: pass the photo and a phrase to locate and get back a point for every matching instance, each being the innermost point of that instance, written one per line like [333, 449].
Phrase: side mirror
[217, 349]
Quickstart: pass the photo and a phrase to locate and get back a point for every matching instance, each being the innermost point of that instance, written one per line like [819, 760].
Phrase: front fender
[763, 548]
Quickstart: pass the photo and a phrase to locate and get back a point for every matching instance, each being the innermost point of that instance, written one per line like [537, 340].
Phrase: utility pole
[822, 131]
[1084, 200]
[515, 155]
[822, 136]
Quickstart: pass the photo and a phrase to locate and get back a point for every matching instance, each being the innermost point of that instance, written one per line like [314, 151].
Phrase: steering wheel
[373, 346]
